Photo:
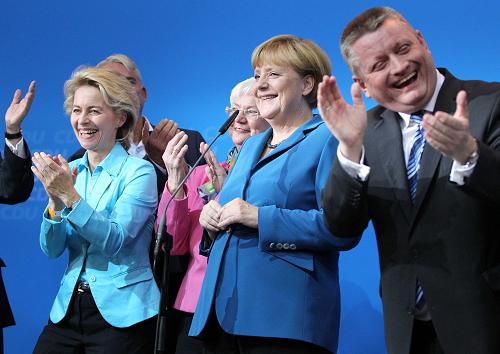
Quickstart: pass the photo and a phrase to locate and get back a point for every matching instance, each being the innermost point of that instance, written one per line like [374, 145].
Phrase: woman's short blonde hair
[115, 89]
[303, 55]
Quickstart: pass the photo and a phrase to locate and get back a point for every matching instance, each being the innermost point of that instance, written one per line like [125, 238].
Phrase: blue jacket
[281, 280]
[109, 231]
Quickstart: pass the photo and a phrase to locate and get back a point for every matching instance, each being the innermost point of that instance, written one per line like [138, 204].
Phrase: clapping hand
[347, 123]
[173, 158]
[156, 142]
[214, 171]
[449, 134]
[57, 179]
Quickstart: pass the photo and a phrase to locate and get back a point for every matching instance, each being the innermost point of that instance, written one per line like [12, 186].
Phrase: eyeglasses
[250, 113]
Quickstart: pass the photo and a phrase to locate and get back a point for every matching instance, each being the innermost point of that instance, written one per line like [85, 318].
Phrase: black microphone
[161, 226]
[228, 123]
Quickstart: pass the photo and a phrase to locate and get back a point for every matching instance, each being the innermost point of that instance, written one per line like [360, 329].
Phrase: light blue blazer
[281, 280]
[109, 231]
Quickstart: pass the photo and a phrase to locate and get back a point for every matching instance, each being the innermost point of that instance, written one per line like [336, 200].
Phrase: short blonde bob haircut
[115, 89]
[303, 55]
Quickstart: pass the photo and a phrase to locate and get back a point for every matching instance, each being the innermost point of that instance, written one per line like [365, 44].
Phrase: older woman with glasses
[183, 213]
[101, 210]
[271, 284]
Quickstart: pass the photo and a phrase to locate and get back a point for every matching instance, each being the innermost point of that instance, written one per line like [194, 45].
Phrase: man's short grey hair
[123, 59]
[241, 89]
[367, 22]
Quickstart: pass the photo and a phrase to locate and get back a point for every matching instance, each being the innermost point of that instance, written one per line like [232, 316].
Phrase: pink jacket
[184, 226]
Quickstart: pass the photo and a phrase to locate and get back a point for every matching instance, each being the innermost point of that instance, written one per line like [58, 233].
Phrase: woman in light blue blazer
[272, 284]
[101, 210]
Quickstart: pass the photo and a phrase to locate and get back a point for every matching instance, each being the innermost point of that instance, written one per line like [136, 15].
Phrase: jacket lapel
[388, 140]
[288, 143]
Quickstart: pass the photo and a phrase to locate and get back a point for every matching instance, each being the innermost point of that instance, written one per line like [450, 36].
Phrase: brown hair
[366, 22]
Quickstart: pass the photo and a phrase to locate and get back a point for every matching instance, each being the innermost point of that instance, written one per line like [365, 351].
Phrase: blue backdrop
[191, 53]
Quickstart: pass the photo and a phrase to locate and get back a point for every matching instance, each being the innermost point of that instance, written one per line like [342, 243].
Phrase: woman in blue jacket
[101, 210]
[271, 284]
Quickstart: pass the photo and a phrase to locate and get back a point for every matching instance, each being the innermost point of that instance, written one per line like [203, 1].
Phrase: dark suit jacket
[16, 183]
[450, 238]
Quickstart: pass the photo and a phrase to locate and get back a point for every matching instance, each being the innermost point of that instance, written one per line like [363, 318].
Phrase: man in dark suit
[431, 187]
[16, 178]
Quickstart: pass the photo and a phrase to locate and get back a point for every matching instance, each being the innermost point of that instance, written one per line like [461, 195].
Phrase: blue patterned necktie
[415, 155]
[412, 173]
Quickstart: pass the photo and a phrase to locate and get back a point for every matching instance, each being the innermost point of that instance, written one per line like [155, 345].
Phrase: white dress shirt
[408, 130]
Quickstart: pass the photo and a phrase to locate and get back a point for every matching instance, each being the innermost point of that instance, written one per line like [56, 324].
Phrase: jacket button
[271, 245]
[286, 246]
[92, 278]
[279, 246]
[293, 247]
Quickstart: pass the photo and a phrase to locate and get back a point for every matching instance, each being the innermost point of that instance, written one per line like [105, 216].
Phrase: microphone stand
[165, 239]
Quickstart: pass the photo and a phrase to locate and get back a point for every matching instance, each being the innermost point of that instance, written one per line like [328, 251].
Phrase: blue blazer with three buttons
[281, 280]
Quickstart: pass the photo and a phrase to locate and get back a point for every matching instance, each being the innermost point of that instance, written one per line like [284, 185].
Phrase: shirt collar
[111, 163]
[429, 107]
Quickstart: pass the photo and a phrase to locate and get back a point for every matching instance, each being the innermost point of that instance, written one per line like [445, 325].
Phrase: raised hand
[347, 123]
[156, 142]
[214, 171]
[173, 159]
[449, 134]
[18, 109]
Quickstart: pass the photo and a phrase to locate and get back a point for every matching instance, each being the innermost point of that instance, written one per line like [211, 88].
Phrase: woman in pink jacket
[184, 211]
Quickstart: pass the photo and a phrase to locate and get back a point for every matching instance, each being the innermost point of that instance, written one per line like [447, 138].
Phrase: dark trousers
[216, 341]
[424, 339]
[84, 330]
[186, 344]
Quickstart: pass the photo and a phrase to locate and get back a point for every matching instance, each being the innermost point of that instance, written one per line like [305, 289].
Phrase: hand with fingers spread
[214, 171]
[347, 123]
[449, 134]
[209, 218]
[173, 158]
[156, 142]
[18, 109]
[57, 178]
[238, 211]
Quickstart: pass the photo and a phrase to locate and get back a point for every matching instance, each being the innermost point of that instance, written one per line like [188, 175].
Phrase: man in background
[148, 141]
